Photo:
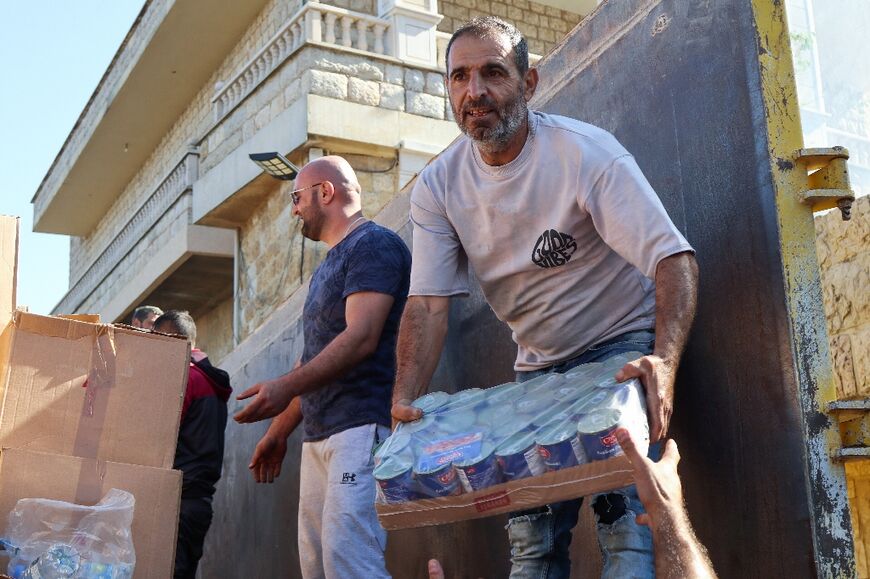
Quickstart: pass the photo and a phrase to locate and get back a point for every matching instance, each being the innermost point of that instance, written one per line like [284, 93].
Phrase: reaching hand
[657, 376]
[403, 412]
[268, 456]
[435, 570]
[658, 484]
[270, 399]
[678, 552]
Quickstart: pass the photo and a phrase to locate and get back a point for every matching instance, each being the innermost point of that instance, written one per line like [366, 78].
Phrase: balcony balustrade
[313, 23]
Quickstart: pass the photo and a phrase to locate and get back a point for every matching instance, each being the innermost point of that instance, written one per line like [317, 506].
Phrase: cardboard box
[25, 474]
[8, 284]
[92, 318]
[87, 407]
[92, 390]
[8, 266]
[570, 483]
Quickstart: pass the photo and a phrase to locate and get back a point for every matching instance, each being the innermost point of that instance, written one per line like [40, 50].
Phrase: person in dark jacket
[200, 451]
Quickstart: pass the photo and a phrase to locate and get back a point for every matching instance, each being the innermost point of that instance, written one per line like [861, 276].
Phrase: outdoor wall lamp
[276, 165]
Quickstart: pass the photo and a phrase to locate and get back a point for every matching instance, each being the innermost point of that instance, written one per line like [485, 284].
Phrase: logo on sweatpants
[348, 478]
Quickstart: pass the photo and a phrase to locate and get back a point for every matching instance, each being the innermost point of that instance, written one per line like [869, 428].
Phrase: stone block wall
[271, 258]
[214, 331]
[373, 83]
[377, 82]
[843, 249]
[543, 26]
[366, 6]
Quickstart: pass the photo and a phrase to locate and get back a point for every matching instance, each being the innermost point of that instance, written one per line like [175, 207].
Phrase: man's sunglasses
[294, 195]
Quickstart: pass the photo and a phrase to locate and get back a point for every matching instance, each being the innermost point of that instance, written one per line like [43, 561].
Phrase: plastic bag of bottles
[58, 540]
[477, 438]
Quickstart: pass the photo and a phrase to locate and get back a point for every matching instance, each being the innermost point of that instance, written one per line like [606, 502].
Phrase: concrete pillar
[413, 156]
[411, 36]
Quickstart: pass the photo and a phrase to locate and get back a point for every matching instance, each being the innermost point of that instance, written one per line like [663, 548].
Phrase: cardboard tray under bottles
[570, 483]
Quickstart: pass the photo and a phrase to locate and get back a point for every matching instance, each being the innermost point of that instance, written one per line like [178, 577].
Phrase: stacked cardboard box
[87, 407]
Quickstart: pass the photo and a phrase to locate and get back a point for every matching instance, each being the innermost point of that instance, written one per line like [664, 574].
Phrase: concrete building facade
[163, 206]
[154, 184]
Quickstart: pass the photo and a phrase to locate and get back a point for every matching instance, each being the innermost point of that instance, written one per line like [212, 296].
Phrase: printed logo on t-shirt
[553, 249]
[348, 478]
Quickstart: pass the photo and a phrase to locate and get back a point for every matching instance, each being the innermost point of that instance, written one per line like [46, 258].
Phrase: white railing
[314, 22]
[179, 180]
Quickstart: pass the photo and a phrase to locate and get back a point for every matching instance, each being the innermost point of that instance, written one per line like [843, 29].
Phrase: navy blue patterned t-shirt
[370, 259]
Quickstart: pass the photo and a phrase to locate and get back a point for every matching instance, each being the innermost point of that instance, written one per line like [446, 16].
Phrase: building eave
[172, 49]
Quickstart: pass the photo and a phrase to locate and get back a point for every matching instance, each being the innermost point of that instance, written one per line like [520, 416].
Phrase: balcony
[160, 255]
[335, 79]
[314, 23]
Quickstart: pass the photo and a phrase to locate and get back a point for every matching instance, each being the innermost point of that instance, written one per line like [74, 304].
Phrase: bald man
[343, 384]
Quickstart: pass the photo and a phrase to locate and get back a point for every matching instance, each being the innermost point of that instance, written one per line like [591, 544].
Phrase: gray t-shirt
[564, 239]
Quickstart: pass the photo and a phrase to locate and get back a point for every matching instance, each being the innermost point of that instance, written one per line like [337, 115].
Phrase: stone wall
[332, 73]
[843, 249]
[366, 6]
[543, 26]
[315, 70]
[214, 331]
[272, 259]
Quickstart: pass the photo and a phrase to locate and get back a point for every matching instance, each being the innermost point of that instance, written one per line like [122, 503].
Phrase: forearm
[676, 301]
[345, 351]
[421, 339]
[678, 553]
[285, 423]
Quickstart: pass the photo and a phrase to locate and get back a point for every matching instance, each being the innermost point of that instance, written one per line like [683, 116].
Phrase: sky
[52, 56]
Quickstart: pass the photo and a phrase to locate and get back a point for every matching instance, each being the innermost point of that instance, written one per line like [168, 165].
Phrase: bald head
[327, 199]
[335, 170]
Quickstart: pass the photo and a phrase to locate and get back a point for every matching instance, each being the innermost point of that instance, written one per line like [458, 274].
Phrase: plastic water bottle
[92, 570]
[59, 562]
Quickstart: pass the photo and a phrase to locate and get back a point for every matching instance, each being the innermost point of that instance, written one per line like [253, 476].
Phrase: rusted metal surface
[679, 82]
[705, 104]
[828, 183]
[811, 358]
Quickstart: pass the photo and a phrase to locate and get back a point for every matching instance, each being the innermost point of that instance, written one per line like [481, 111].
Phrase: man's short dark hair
[489, 26]
[142, 313]
[179, 322]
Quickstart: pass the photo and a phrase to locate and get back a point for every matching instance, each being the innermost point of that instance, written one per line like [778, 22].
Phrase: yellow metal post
[826, 479]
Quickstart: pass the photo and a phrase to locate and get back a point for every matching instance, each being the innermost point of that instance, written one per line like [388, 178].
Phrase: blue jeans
[540, 538]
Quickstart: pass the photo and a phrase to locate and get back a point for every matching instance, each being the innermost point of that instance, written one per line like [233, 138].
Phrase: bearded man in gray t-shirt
[573, 250]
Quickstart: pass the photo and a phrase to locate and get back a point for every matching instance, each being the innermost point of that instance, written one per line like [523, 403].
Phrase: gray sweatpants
[339, 533]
